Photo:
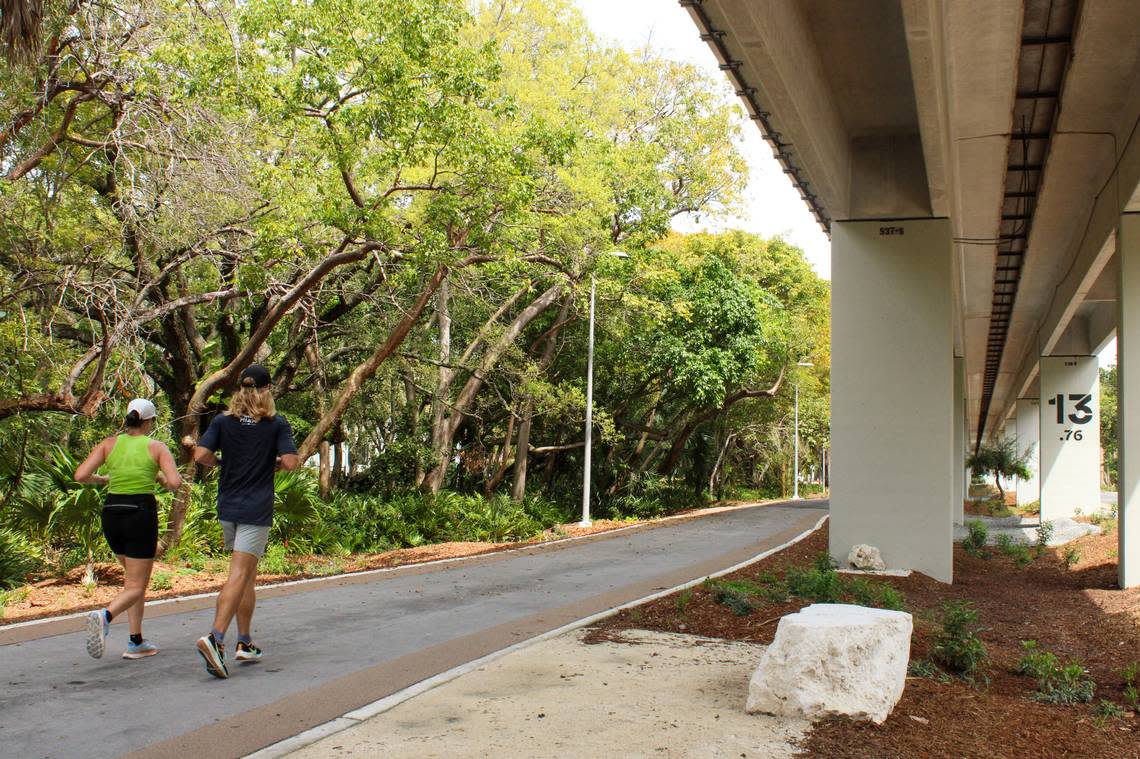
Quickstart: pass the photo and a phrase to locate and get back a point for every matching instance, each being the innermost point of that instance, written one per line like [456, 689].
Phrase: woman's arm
[85, 474]
[168, 474]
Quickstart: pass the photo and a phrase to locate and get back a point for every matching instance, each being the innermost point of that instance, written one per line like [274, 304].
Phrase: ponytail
[133, 420]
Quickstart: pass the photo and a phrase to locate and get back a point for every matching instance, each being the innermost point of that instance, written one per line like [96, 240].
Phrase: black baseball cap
[255, 375]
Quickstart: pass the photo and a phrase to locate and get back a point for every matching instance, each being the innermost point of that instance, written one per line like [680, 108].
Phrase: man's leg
[245, 608]
[243, 574]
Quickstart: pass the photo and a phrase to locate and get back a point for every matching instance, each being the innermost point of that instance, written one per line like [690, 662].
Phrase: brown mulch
[66, 594]
[1076, 613]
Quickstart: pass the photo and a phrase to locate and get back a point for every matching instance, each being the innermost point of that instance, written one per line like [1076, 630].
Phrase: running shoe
[97, 628]
[140, 650]
[246, 652]
[215, 655]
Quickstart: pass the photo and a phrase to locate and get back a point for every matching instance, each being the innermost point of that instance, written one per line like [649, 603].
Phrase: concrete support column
[1029, 438]
[959, 440]
[892, 393]
[1070, 435]
[1128, 399]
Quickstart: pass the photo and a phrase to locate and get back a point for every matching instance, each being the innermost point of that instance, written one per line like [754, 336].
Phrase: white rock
[834, 660]
[865, 557]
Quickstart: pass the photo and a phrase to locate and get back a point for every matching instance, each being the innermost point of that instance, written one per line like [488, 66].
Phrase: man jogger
[253, 442]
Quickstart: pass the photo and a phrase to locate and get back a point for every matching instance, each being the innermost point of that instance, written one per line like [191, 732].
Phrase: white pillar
[1128, 399]
[892, 393]
[1028, 438]
[1070, 435]
[959, 440]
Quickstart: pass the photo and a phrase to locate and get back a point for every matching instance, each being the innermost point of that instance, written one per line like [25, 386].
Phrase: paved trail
[337, 644]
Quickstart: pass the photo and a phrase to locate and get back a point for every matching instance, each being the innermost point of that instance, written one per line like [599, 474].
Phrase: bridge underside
[977, 166]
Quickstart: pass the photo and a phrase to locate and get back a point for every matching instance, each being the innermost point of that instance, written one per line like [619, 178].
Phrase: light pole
[796, 447]
[590, 399]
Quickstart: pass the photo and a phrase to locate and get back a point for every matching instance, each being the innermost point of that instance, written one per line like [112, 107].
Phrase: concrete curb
[356, 716]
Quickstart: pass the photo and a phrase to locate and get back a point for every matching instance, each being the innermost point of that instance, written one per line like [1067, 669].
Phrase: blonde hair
[255, 402]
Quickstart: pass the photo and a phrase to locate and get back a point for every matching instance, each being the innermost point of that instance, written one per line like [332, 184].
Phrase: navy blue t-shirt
[249, 457]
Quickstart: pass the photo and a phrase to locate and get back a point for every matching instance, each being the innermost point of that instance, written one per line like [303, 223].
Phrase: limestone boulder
[865, 557]
[834, 660]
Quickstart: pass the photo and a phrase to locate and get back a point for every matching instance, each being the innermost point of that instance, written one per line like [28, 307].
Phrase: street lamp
[796, 453]
[590, 399]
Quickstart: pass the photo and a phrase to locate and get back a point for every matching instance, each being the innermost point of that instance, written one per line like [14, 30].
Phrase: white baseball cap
[144, 408]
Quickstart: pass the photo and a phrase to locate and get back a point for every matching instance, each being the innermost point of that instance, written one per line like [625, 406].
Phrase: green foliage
[8, 597]
[681, 602]
[1000, 459]
[956, 645]
[162, 580]
[1109, 439]
[277, 561]
[1065, 684]
[1071, 556]
[1131, 675]
[1044, 535]
[1106, 710]
[818, 583]
[19, 557]
[975, 542]
[928, 669]
[1015, 550]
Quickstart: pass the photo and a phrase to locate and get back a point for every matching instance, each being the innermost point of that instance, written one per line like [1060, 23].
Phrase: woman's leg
[133, 596]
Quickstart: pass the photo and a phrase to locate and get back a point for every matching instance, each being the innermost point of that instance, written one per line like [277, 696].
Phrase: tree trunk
[522, 449]
[368, 368]
[325, 470]
[474, 384]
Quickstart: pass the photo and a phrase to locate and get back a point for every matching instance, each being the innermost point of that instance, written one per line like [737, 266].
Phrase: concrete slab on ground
[1024, 530]
[659, 695]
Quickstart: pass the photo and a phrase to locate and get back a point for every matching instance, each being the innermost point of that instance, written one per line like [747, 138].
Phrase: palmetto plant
[76, 515]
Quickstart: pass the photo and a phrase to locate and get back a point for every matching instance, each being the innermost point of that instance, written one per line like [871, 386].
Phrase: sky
[772, 205]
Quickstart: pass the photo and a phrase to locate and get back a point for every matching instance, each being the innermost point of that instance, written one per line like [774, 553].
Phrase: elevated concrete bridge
[976, 164]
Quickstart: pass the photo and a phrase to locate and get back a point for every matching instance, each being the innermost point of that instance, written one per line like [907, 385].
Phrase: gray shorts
[247, 538]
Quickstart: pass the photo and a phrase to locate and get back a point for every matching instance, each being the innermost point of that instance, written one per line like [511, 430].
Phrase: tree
[1001, 459]
[1109, 419]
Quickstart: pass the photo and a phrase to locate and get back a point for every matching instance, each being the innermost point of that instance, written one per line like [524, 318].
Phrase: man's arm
[288, 461]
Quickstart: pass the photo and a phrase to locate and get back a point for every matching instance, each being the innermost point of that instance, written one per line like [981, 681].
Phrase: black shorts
[130, 524]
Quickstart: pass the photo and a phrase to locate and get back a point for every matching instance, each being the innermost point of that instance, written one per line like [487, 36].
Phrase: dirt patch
[1076, 613]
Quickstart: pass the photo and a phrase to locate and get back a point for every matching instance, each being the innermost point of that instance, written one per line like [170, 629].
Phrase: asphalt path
[337, 644]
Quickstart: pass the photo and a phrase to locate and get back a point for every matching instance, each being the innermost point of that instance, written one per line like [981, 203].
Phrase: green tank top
[130, 466]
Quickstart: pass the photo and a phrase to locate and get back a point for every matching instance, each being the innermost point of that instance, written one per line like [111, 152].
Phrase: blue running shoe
[140, 650]
[97, 628]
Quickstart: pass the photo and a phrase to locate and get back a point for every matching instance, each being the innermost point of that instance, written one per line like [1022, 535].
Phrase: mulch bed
[1076, 613]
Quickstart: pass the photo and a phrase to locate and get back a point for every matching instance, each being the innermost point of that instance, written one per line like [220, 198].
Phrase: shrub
[734, 595]
[975, 541]
[12, 597]
[1106, 710]
[1015, 550]
[1044, 535]
[957, 646]
[1056, 683]
[683, 599]
[1071, 556]
[1131, 675]
[19, 557]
